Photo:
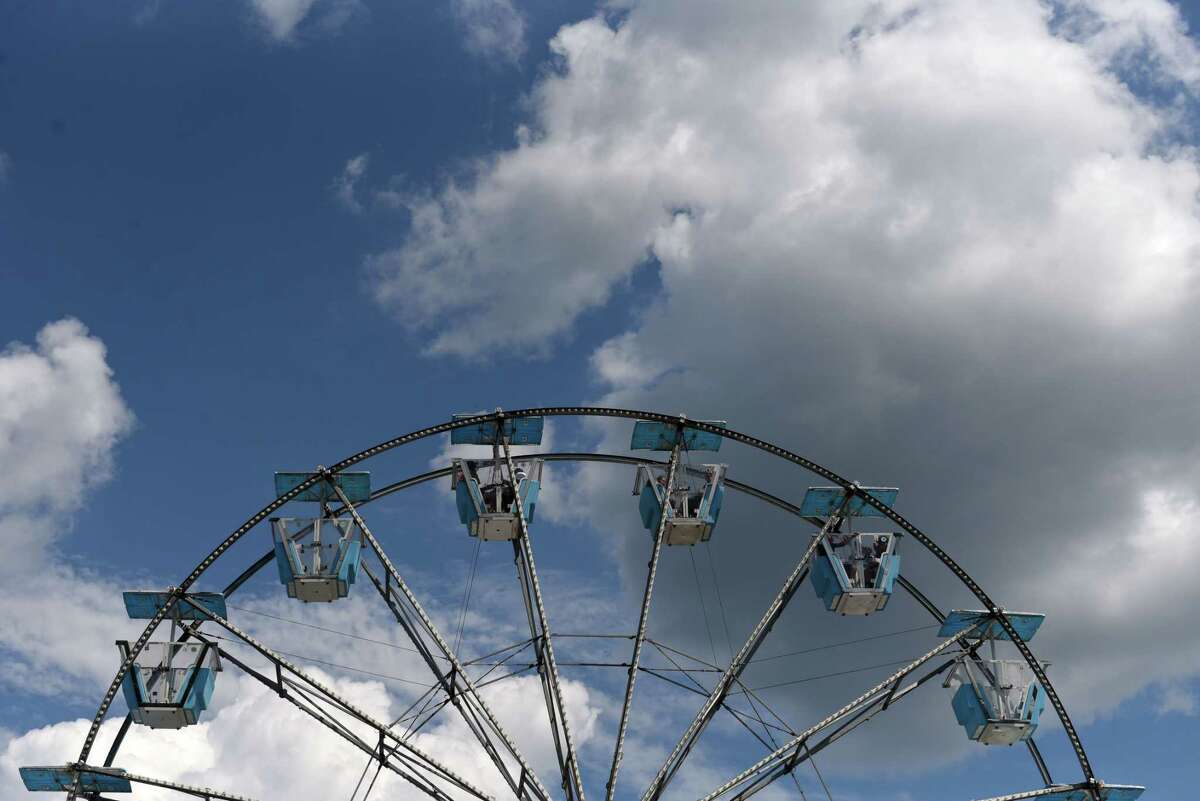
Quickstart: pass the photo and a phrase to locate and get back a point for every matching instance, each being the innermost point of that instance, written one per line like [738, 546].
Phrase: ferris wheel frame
[528, 787]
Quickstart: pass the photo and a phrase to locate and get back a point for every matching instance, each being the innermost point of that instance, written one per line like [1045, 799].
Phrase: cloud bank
[945, 245]
[61, 416]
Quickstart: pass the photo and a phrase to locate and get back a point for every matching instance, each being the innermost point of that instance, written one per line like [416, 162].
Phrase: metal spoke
[188, 789]
[539, 631]
[685, 744]
[787, 754]
[456, 683]
[643, 618]
[409, 753]
[1093, 787]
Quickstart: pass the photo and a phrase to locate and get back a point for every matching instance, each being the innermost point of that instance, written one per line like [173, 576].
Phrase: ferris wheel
[851, 557]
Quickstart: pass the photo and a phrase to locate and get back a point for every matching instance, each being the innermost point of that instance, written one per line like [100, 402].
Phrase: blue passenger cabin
[997, 701]
[691, 506]
[483, 492]
[853, 574]
[317, 558]
[170, 684]
[60, 779]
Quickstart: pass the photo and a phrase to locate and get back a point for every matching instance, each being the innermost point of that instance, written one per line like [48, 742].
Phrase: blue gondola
[852, 574]
[692, 507]
[484, 495]
[323, 567]
[997, 701]
[318, 558]
[170, 684]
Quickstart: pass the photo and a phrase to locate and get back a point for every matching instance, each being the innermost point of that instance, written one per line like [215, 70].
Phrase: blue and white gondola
[997, 701]
[852, 574]
[486, 505]
[170, 684]
[318, 558]
[692, 508]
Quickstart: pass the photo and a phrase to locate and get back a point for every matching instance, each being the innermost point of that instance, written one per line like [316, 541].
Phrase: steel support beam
[788, 753]
[455, 682]
[639, 638]
[733, 673]
[425, 767]
[539, 632]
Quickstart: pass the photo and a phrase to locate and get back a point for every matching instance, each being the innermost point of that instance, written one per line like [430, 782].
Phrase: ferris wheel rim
[847, 485]
[572, 457]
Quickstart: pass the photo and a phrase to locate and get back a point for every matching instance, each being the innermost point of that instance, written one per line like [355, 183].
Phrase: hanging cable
[712, 565]
[846, 642]
[703, 607]
[462, 619]
[314, 660]
[361, 777]
[828, 675]
[374, 778]
[324, 629]
[820, 778]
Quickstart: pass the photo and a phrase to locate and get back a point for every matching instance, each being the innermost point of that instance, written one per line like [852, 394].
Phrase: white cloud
[344, 183]
[493, 29]
[281, 17]
[284, 20]
[923, 241]
[769, 146]
[61, 415]
[247, 746]
[1125, 32]
[1177, 698]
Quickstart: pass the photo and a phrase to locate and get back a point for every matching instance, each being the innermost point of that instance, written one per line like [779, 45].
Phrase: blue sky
[918, 244]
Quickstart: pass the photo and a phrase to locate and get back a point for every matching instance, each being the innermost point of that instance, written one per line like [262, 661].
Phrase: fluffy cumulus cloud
[61, 415]
[948, 245]
[249, 745]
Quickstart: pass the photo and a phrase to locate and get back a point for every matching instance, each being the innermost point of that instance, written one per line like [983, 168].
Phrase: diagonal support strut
[733, 673]
[539, 631]
[456, 683]
[643, 619]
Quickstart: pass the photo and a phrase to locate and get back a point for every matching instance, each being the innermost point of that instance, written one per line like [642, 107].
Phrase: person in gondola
[508, 496]
[871, 561]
